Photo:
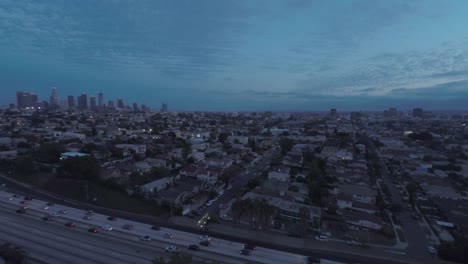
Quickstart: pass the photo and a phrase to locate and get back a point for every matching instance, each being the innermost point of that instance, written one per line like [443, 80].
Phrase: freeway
[52, 242]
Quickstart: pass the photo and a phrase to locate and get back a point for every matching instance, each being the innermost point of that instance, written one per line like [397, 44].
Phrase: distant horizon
[216, 55]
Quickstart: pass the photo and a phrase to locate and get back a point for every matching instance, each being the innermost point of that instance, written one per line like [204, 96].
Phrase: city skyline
[242, 56]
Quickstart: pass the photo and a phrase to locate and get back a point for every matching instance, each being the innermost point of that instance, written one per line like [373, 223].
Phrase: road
[52, 242]
[414, 233]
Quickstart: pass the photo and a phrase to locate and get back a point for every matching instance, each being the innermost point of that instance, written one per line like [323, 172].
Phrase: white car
[10, 198]
[46, 207]
[168, 235]
[172, 249]
[146, 238]
[63, 212]
[431, 250]
[321, 238]
[205, 238]
[53, 214]
[209, 203]
[107, 228]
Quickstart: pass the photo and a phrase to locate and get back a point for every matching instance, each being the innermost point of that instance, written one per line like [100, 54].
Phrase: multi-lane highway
[53, 242]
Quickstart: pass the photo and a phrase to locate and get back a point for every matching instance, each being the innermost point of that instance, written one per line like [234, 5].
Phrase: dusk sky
[296, 55]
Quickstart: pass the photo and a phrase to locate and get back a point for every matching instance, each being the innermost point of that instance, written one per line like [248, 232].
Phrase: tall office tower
[53, 101]
[71, 102]
[164, 107]
[100, 101]
[393, 112]
[135, 107]
[333, 112]
[26, 99]
[120, 103]
[418, 112]
[92, 103]
[111, 104]
[63, 104]
[83, 102]
[143, 108]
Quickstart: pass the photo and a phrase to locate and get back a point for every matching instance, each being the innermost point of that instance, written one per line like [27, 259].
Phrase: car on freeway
[112, 218]
[46, 207]
[47, 218]
[194, 247]
[90, 212]
[70, 224]
[16, 195]
[205, 243]
[25, 207]
[10, 198]
[93, 230]
[431, 250]
[27, 198]
[321, 238]
[145, 238]
[353, 243]
[172, 249]
[107, 228]
[87, 217]
[205, 237]
[155, 228]
[168, 235]
[24, 202]
[50, 204]
[128, 227]
[249, 246]
[54, 214]
[21, 211]
[312, 260]
[245, 252]
[63, 212]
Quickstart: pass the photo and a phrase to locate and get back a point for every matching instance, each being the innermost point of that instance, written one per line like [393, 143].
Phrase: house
[159, 163]
[8, 154]
[343, 154]
[279, 176]
[142, 166]
[362, 219]
[67, 155]
[157, 185]
[358, 193]
[189, 171]
[287, 209]
[136, 148]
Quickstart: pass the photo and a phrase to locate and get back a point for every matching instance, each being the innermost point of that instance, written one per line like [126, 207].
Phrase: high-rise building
[135, 107]
[333, 112]
[92, 103]
[120, 103]
[144, 108]
[53, 100]
[25, 99]
[418, 112]
[101, 101]
[71, 102]
[111, 104]
[164, 107]
[83, 102]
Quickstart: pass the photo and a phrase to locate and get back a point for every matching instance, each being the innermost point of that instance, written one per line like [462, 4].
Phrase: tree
[222, 137]
[81, 168]
[286, 145]
[12, 254]
[50, 152]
